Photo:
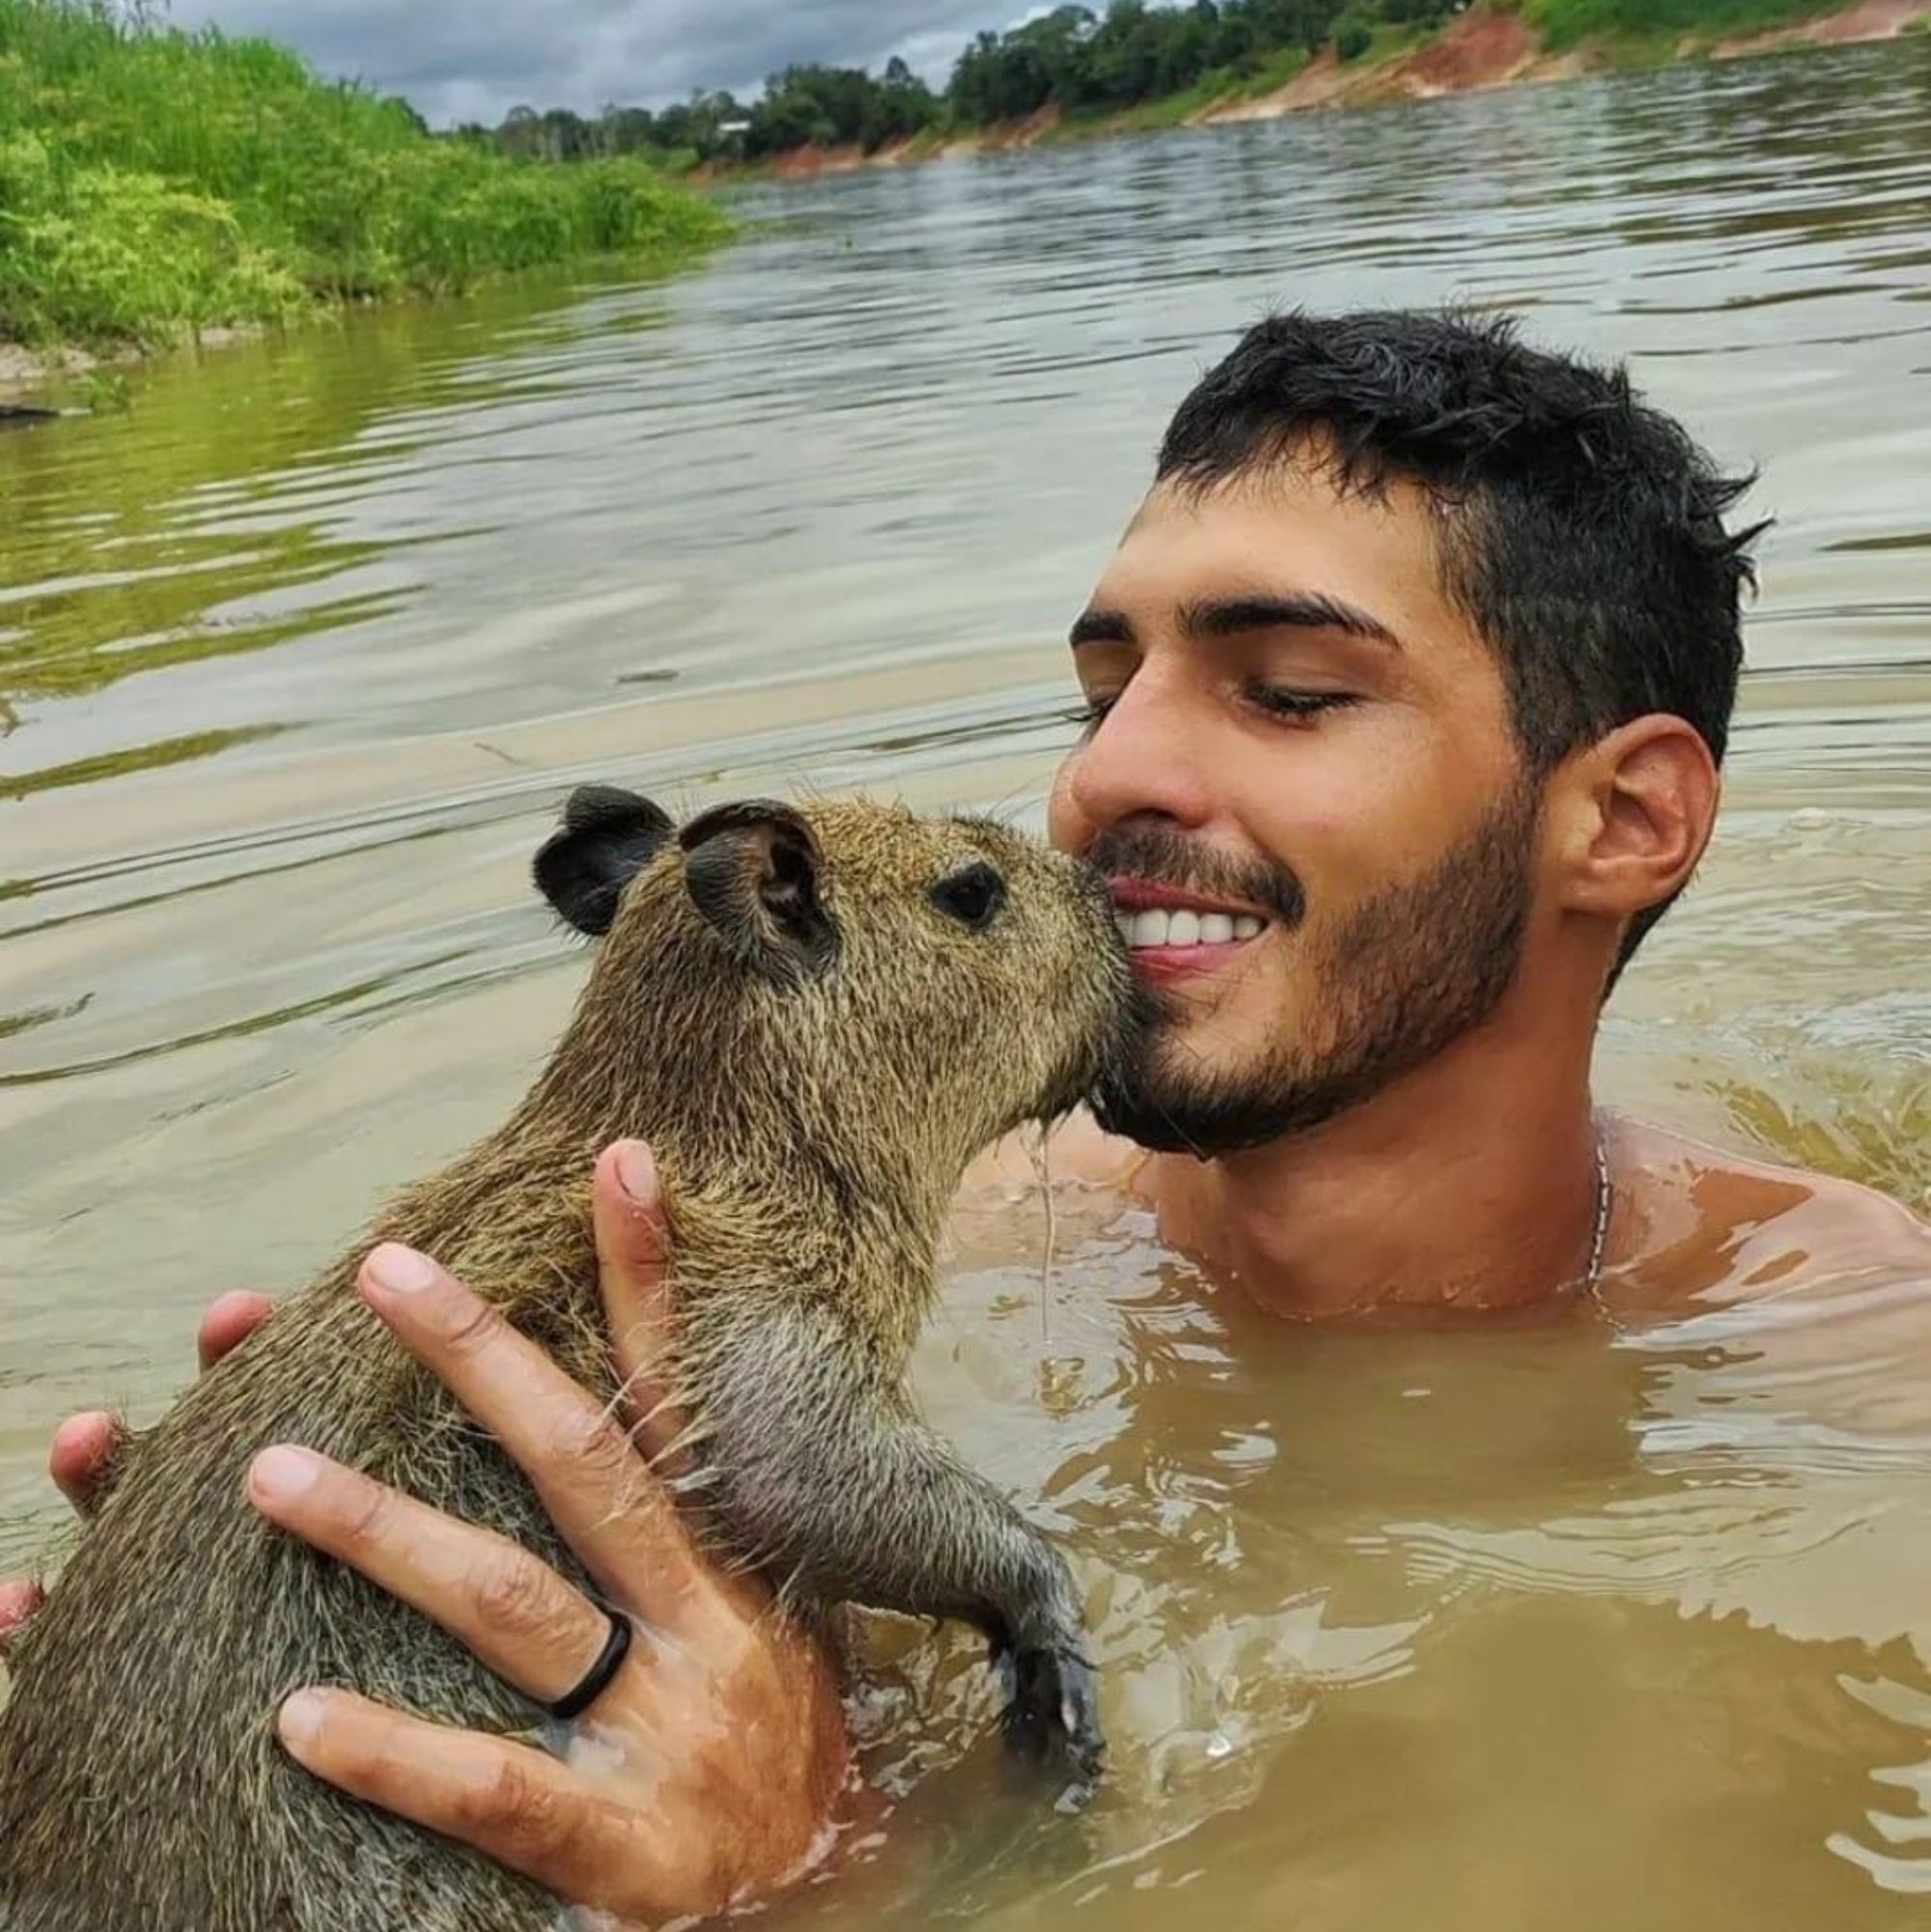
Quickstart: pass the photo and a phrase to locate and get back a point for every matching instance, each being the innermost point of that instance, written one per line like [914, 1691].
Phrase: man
[1405, 696]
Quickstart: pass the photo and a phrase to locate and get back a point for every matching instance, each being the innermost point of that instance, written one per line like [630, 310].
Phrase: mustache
[1156, 855]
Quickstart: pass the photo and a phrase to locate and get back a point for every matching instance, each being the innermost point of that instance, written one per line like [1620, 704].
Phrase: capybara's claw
[1053, 1709]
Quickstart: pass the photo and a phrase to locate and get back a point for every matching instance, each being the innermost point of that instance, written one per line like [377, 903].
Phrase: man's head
[1423, 650]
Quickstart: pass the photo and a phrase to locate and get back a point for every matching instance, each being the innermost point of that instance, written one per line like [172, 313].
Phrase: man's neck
[1470, 1185]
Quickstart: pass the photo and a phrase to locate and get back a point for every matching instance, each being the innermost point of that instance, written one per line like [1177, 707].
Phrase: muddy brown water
[1589, 1626]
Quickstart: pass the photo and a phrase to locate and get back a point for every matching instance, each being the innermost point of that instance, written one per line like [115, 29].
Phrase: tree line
[1072, 58]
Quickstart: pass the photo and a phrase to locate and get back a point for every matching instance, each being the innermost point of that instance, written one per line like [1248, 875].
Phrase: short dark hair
[1581, 532]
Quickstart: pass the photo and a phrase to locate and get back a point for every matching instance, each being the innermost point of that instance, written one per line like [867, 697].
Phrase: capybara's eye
[973, 897]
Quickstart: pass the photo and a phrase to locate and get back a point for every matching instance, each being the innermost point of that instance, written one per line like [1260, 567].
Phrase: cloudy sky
[461, 60]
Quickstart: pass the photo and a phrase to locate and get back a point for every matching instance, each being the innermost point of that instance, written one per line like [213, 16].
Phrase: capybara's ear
[752, 870]
[609, 837]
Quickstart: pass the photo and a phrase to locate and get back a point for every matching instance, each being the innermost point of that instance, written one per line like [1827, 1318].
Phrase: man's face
[1305, 786]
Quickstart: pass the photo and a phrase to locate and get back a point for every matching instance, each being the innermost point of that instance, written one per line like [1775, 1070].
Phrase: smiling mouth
[1151, 919]
[1153, 930]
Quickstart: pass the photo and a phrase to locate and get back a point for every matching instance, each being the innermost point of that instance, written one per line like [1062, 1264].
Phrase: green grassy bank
[155, 182]
[1654, 29]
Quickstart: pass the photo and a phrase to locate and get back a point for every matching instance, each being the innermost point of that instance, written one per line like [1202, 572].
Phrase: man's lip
[1137, 895]
[1171, 963]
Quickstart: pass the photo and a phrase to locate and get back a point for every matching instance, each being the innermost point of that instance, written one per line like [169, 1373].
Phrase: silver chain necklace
[1599, 1237]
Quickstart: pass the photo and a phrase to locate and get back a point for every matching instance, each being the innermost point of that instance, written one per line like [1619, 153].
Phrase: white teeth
[1154, 928]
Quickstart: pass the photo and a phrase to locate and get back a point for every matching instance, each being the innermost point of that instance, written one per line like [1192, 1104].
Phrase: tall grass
[154, 180]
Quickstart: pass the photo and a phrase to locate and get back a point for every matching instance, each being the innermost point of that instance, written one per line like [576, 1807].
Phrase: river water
[1591, 1627]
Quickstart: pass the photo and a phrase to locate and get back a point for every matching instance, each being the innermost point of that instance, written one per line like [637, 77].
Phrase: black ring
[597, 1679]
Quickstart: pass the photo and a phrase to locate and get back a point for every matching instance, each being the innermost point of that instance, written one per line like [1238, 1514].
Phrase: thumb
[18, 1603]
[634, 1278]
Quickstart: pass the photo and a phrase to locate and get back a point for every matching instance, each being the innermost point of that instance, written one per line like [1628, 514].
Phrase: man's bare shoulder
[1699, 1217]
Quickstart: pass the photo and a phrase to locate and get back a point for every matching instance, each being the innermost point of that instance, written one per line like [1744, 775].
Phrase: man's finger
[82, 1456]
[513, 1804]
[229, 1321]
[17, 1602]
[595, 1487]
[633, 1278]
[508, 1607]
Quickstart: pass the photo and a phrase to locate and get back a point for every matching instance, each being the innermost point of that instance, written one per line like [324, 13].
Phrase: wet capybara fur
[818, 1017]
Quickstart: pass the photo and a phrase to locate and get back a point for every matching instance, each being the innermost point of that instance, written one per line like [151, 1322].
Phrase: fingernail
[282, 1474]
[401, 1270]
[300, 1719]
[637, 1171]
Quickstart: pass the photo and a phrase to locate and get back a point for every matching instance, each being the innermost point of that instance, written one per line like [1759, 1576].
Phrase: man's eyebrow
[1096, 625]
[1285, 610]
[1233, 616]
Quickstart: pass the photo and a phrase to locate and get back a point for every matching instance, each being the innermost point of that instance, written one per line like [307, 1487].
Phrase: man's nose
[1148, 756]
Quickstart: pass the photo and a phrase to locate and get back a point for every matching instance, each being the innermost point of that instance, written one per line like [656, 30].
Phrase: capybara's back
[142, 1789]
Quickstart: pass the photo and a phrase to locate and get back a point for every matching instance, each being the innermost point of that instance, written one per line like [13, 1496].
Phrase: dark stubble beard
[1407, 975]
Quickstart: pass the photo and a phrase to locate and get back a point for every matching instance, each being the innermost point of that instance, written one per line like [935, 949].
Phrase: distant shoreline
[1483, 49]
[1486, 46]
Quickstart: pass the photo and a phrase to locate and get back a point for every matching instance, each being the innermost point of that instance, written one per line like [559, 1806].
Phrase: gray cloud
[474, 59]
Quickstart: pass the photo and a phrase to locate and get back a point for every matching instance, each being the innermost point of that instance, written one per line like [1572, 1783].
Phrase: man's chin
[1170, 1123]
[1207, 1117]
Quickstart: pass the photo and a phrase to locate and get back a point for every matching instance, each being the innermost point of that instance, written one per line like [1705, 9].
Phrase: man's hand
[710, 1768]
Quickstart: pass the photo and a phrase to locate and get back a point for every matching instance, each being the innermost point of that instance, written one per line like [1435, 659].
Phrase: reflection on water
[1587, 1625]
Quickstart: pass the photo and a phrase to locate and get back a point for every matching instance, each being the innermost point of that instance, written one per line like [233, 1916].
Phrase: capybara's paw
[1052, 1713]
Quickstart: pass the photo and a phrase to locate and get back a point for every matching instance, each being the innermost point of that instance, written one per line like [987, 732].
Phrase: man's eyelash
[1282, 701]
[1277, 700]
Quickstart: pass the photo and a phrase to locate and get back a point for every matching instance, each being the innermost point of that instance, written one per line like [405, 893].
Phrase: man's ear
[609, 837]
[1633, 814]
[752, 870]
